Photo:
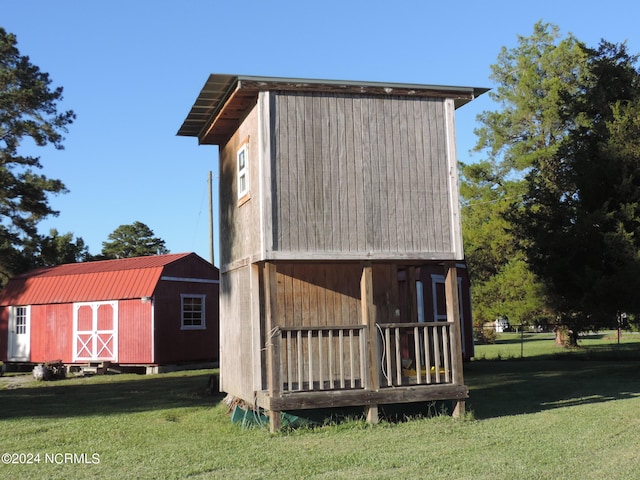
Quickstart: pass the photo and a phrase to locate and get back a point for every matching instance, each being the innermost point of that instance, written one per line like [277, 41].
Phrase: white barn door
[19, 345]
[95, 331]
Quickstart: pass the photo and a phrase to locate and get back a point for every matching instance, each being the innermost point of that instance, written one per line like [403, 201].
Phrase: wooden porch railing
[368, 364]
[335, 357]
[416, 353]
[322, 358]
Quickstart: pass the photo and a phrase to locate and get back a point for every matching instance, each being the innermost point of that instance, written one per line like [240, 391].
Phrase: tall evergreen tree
[55, 249]
[531, 79]
[28, 110]
[554, 210]
[134, 240]
[581, 212]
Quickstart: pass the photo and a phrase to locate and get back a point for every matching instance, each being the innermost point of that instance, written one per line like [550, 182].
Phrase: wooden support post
[394, 363]
[369, 319]
[453, 315]
[394, 295]
[272, 342]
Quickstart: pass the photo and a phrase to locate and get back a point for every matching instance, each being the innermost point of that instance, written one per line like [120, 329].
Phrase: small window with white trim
[22, 318]
[243, 172]
[193, 312]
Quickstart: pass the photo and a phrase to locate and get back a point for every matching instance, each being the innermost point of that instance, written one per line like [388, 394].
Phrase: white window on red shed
[193, 312]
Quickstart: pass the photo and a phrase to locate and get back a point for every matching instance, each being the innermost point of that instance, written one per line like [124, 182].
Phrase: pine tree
[28, 110]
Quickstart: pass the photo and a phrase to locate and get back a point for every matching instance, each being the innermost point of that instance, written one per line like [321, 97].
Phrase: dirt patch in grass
[10, 382]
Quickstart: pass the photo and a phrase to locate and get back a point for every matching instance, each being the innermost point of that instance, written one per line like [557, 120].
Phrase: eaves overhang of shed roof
[224, 99]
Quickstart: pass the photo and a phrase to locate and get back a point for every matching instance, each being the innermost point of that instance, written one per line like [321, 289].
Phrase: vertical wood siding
[359, 174]
[238, 357]
[172, 343]
[134, 332]
[318, 294]
[51, 333]
[240, 222]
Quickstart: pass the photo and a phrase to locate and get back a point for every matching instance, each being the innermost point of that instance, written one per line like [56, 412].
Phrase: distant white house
[502, 325]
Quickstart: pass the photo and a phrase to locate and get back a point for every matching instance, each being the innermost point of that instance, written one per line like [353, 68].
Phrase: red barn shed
[143, 311]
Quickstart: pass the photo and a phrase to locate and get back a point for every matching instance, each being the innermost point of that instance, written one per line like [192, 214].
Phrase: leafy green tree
[12, 261]
[581, 212]
[560, 185]
[503, 284]
[56, 249]
[134, 240]
[28, 110]
[531, 79]
[43, 251]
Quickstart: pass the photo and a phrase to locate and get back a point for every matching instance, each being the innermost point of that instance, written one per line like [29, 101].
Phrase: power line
[494, 201]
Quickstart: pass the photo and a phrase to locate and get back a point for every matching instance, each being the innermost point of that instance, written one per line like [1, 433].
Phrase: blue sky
[131, 71]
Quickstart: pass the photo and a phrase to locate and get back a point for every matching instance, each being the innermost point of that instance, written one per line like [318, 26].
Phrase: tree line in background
[29, 111]
[551, 214]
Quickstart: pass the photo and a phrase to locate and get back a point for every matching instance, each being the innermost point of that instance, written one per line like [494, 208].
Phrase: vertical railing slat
[427, 352]
[351, 360]
[362, 347]
[416, 346]
[310, 347]
[300, 359]
[436, 352]
[445, 345]
[341, 360]
[398, 358]
[289, 366]
[387, 346]
[281, 367]
[331, 360]
[321, 359]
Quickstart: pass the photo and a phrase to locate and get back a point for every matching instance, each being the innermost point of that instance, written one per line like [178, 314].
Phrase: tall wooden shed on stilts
[340, 241]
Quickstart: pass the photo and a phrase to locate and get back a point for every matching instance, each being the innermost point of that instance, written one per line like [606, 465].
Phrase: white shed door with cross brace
[95, 331]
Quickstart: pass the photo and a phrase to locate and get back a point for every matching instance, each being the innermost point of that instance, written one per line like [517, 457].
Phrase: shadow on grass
[496, 388]
[527, 337]
[514, 387]
[107, 395]
[531, 337]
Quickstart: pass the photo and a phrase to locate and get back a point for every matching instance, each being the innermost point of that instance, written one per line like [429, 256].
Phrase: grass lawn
[533, 418]
[593, 346]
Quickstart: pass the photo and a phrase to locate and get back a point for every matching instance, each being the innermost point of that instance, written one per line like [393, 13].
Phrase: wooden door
[95, 331]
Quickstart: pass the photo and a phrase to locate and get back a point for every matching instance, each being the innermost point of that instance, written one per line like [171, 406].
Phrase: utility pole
[211, 254]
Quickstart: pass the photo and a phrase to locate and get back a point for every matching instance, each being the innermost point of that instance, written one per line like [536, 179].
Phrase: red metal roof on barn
[89, 281]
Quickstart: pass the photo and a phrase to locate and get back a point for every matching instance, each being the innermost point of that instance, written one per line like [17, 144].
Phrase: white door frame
[94, 343]
[19, 338]
[440, 279]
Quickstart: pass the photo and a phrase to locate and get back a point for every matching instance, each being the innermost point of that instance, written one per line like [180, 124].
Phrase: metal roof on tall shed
[224, 98]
